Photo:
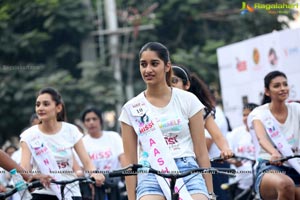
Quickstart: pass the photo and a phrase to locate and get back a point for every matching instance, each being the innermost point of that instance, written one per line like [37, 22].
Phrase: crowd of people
[178, 123]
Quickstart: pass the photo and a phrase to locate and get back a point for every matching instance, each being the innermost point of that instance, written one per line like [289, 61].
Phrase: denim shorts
[262, 168]
[148, 185]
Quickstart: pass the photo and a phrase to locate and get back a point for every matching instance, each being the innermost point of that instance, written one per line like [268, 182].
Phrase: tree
[194, 29]
[40, 46]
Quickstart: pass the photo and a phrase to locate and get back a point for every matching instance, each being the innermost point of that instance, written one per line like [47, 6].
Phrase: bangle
[212, 196]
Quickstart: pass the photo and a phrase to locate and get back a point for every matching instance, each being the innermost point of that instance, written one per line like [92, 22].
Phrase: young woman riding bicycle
[277, 127]
[169, 125]
[47, 148]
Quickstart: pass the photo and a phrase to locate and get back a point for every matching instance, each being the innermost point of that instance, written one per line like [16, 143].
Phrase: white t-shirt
[61, 145]
[240, 141]
[104, 151]
[290, 129]
[221, 121]
[16, 156]
[173, 120]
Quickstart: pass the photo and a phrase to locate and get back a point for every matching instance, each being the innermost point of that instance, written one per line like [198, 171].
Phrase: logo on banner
[272, 57]
[256, 59]
[241, 65]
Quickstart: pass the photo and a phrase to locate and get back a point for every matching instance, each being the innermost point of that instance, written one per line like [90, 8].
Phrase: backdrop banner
[243, 66]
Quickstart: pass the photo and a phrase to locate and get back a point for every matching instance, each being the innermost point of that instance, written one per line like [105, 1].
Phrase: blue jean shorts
[262, 169]
[147, 184]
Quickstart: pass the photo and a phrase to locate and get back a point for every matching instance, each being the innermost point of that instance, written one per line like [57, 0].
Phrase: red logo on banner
[241, 65]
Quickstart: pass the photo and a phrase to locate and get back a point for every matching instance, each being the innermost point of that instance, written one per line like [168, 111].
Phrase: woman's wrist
[212, 196]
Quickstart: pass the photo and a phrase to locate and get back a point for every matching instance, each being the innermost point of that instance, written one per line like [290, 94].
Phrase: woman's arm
[218, 137]
[87, 163]
[6, 162]
[25, 165]
[200, 149]
[25, 156]
[264, 141]
[77, 168]
[130, 156]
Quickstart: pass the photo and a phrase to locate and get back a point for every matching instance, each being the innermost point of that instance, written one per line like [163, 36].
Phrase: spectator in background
[34, 120]
[240, 141]
[214, 151]
[105, 149]
[182, 78]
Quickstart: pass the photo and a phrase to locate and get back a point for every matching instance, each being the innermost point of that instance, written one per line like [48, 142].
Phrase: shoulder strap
[45, 160]
[279, 140]
[152, 141]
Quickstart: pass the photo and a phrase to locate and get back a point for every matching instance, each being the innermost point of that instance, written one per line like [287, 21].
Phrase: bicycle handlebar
[133, 169]
[283, 159]
[130, 170]
[79, 179]
[221, 159]
[31, 185]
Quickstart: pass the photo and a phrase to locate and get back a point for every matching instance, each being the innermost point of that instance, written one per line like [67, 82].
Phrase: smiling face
[278, 89]
[92, 123]
[46, 107]
[152, 68]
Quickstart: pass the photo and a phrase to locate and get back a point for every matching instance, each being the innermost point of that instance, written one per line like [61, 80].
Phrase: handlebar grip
[268, 163]
[35, 184]
[217, 159]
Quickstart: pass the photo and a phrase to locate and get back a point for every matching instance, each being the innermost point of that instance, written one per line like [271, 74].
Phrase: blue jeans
[262, 169]
[195, 184]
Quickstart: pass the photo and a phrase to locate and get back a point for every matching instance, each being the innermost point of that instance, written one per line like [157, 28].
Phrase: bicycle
[64, 183]
[32, 185]
[171, 176]
[111, 189]
[37, 184]
[250, 192]
[284, 159]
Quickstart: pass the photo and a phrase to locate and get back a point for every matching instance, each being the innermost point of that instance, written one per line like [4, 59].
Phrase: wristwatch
[212, 196]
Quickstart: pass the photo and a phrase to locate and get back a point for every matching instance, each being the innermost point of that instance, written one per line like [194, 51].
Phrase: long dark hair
[197, 87]
[267, 80]
[162, 53]
[61, 116]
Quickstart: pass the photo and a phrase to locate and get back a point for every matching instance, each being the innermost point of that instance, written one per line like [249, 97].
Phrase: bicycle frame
[64, 183]
[240, 158]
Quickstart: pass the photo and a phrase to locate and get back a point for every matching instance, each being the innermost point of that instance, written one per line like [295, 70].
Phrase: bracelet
[212, 196]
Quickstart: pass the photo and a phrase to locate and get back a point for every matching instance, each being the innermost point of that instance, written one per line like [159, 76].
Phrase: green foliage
[40, 46]
[194, 29]
[98, 83]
